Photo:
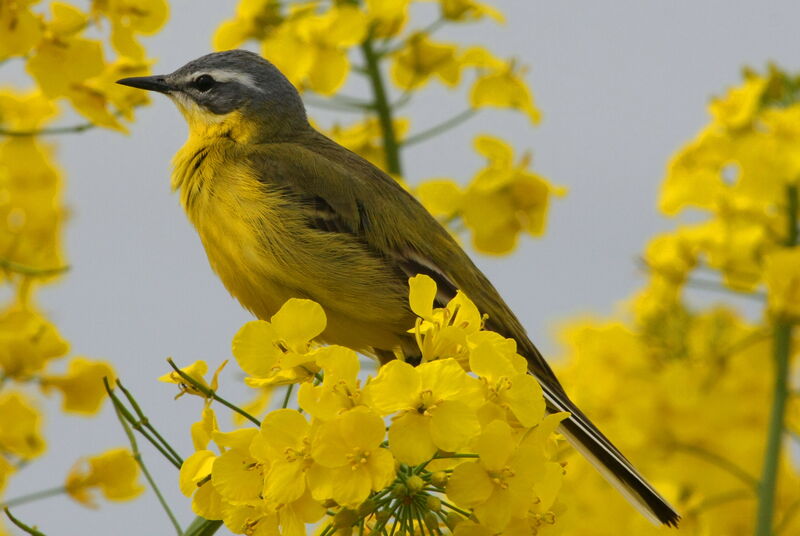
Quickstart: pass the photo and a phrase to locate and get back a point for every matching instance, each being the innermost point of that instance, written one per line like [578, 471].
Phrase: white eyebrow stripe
[229, 76]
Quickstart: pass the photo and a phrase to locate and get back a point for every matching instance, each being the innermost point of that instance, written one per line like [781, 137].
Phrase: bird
[285, 212]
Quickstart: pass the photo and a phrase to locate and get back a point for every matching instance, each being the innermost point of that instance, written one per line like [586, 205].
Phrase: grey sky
[621, 85]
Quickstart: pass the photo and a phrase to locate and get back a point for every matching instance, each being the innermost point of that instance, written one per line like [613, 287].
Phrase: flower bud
[399, 490]
[415, 484]
[439, 479]
[432, 522]
[433, 503]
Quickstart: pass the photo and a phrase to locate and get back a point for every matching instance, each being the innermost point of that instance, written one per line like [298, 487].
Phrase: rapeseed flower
[279, 351]
[435, 405]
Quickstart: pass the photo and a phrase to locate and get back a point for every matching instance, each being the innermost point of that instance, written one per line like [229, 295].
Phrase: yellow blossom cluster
[65, 63]
[319, 45]
[51, 40]
[696, 398]
[743, 171]
[503, 199]
[460, 443]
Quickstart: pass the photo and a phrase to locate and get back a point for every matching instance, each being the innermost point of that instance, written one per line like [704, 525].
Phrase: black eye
[203, 83]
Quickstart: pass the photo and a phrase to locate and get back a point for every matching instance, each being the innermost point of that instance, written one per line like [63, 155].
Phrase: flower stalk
[782, 350]
[391, 146]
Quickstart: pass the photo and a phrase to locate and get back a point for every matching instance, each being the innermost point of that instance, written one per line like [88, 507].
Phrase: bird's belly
[264, 261]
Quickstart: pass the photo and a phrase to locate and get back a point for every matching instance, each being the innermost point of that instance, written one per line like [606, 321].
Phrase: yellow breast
[263, 250]
[233, 213]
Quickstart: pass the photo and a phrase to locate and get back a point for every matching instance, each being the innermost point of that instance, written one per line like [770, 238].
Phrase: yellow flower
[504, 199]
[20, 427]
[739, 106]
[27, 342]
[203, 430]
[442, 197]
[442, 332]
[131, 17]
[349, 460]
[420, 59]
[93, 105]
[782, 275]
[82, 386]
[499, 486]
[506, 380]
[340, 389]
[20, 28]
[469, 10]
[195, 482]
[695, 175]
[365, 138]
[504, 88]
[114, 473]
[387, 17]
[311, 50]
[279, 351]
[196, 371]
[6, 470]
[236, 475]
[62, 58]
[288, 520]
[284, 441]
[25, 111]
[434, 403]
[123, 98]
[253, 19]
[30, 202]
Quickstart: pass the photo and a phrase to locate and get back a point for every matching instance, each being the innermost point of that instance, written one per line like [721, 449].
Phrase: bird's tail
[609, 461]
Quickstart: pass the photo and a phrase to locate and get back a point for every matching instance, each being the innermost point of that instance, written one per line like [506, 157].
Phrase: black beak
[151, 83]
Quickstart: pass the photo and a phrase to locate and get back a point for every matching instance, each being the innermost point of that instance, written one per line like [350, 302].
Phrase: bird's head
[235, 92]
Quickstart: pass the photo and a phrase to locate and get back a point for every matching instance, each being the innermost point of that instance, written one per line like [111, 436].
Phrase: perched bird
[284, 212]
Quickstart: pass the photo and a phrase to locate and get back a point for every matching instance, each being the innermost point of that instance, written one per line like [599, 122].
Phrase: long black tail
[604, 456]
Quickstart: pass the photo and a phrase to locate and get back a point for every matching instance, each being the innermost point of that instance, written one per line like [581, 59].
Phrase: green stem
[120, 407]
[23, 269]
[772, 454]
[781, 351]
[35, 496]
[143, 420]
[30, 530]
[444, 126]
[72, 129]
[138, 457]
[337, 105]
[391, 146]
[457, 509]
[202, 527]
[210, 393]
[47, 131]
[288, 396]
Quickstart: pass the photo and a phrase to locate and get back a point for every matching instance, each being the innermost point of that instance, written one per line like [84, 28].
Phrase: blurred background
[621, 86]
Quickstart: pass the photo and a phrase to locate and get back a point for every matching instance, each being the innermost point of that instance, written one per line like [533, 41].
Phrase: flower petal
[453, 424]
[469, 485]
[410, 438]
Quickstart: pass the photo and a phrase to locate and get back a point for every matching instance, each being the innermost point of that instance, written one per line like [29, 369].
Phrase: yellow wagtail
[285, 212]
